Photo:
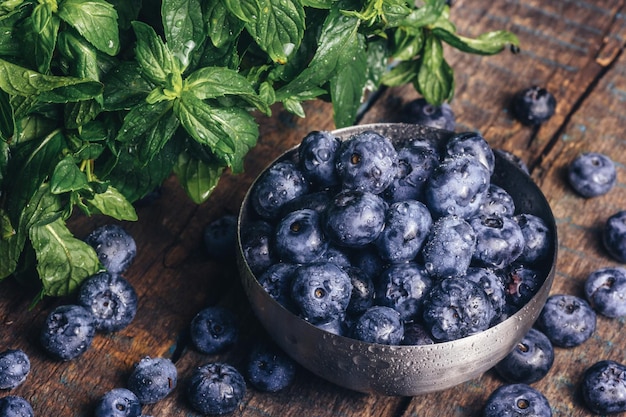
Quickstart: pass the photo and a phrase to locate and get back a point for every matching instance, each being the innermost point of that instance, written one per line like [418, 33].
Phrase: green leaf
[403, 73]
[67, 177]
[155, 58]
[82, 112]
[294, 106]
[183, 24]
[44, 26]
[63, 261]
[486, 44]
[125, 87]
[318, 4]
[95, 20]
[10, 246]
[12, 32]
[407, 46]
[113, 204]
[222, 25]
[142, 118]
[377, 52]
[153, 140]
[197, 178]
[425, 15]
[127, 11]
[7, 122]
[435, 79]
[81, 55]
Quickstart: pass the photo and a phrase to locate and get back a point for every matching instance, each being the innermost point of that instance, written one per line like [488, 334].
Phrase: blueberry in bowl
[392, 254]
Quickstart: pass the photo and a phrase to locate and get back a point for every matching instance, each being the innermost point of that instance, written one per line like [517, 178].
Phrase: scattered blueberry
[420, 112]
[15, 406]
[605, 290]
[279, 184]
[604, 387]
[14, 367]
[220, 238]
[118, 402]
[355, 218]
[416, 334]
[614, 236]
[592, 174]
[257, 243]
[152, 379]
[269, 369]
[529, 361]
[111, 299]
[449, 247]
[317, 158]
[533, 106]
[415, 165]
[498, 202]
[402, 286]
[115, 247]
[299, 237]
[214, 329]
[216, 388]
[379, 324]
[68, 331]
[567, 320]
[517, 400]
[537, 238]
[471, 144]
[499, 241]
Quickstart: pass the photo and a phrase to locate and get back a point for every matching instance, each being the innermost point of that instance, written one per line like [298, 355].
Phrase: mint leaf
[125, 87]
[67, 177]
[486, 44]
[154, 57]
[425, 15]
[95, 20]
[435, 79]
[11, 245]
[197, 178]
[43, 26]
[183, 24]
[113, 204]
[7, 123]
[222, 25]
[142, 118]
[154, 139]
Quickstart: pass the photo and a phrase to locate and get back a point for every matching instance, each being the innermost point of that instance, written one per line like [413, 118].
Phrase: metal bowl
[403, 370]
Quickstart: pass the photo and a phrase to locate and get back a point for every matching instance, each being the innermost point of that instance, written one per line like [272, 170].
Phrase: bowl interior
[403, 370]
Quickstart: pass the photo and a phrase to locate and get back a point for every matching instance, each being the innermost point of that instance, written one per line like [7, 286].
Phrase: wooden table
[574, 48]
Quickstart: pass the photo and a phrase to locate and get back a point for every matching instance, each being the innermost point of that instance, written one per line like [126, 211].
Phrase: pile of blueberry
[380, 242]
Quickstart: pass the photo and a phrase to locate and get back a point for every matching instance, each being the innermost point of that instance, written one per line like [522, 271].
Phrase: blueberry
[368, 260]
[420, 112]
[604, 387]
[118, 402]
[152, 379]
[220, 238]
[363, 291]
[529, 361]
[407, 223]
[299, 237]
[336, 326]
[216, 388]
[354, 218]
[279, 184]
[214, 329]
[521, 284]
[456, 308]
[592, 174]
[517, 400]
[366, 162]
[257, 245]
[68, 331]
[415, 166]
[514, 159]
[115, 247]
[614, 236]
[567, 320]
[457, 186]
[499, 241]
[276, 281]
[379, 324]
[318, 201]
[493, 286]
[403, 287]
[111, 299]
[321, 291]
[316, 154]
[474, 145]
[498, 202]
[269, 369]
[537, 238]
[416, 334]
[605, 290]
[15, 406]
[533, 106]
[449, 246]
[14, 367]
[336, 255]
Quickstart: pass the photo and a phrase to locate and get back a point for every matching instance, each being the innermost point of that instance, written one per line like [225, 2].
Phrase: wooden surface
[573, 48]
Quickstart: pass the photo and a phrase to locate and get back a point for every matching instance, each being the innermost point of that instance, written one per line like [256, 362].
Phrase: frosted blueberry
[449, 246]
[15, 406]
[474, 145]
[604, 387]
[415, 166]
[605, 290]
[567, 320]
[538, 238]
[14, 368]
[530, 360]
[403, 286]
[152, 379]
[379, 324]
[493, 285]
[68, 331]
[533, 106]
[257, 245]
[592, 174]
[614, 236]
[269, 369]
[498, 202]
[214, 329]
[115, 247]
[421, 112]
[279, 184]
[215, 388]
[220, 238]
[299, 237]
[516, 400]
[118, 402]
[499, 241]
[276, 281]
[317, 158]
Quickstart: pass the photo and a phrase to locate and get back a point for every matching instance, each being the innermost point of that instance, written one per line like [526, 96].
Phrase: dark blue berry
[592, 174]
[111, 299]
[420, 112]
[521, 284]
[474, 145]
[415, 166]
[14, 367]
[449, 246]
[216, 388]
[567, 320]
[318, 201]
[152, 379]
[498, 202]
[336, 255]
[416, 334]
[321, 291]
[517, 400]
[499, 241]
[368, 260]
[15, 406]
[379, 324]
[299, 237]
[493, 285]
[276, 281]
[257, 245]
[605, 290]
[456, 308]
[604, 387]
[614, 236]
[68, 331]
[269, 369]
[317, 158]
[363, 291]
[514, 159]
[533, 106]
[407, 223]
[530, 360]
[214, 329]
[402, 287]
[537, 238]
[355, 218]
[279, 184]
[115, 247]
[366, 162]
[220, 238]
[118, 402]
